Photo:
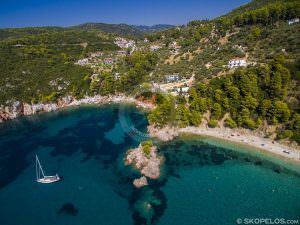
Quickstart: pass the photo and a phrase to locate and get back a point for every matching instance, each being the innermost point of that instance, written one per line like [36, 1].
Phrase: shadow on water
[69, 209]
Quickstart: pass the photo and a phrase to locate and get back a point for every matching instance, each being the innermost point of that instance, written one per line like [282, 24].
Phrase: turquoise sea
[204, 181]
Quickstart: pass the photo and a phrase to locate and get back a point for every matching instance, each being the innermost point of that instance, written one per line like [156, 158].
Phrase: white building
[108, 61]
[117, 76]
[292, 21]
[97, 54]
[124, 43]
[155, 47]
[146, 40]
[174, 45]
[83, 62]
[237, 63]
[172, 78]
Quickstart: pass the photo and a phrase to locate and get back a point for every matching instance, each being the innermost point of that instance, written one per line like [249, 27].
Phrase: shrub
[250, 124]
[147, 147]
[230, 123]
[284, 134]
[213, 123]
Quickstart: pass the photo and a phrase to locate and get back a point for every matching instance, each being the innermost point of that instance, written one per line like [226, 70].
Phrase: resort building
[124, 43]
[82, 62]
[238, 62]
[108, 61]
[172, 78]
[292, 21]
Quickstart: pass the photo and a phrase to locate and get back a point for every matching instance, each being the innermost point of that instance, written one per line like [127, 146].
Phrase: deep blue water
[203, 182]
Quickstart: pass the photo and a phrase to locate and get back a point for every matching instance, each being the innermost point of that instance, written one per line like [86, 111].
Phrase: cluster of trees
[133, 72]
[269, 14]
[146, 145]
[249, 97]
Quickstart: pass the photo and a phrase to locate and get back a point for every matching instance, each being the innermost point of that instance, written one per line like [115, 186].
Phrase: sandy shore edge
[233, 136]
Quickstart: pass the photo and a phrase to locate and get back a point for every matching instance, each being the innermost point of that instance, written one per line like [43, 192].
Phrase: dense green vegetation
[250, 97]
[146, 145]
[258, 30]
[40, 66]
[134, 70]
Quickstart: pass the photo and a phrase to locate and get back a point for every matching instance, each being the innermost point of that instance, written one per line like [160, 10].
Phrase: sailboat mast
[40, 167]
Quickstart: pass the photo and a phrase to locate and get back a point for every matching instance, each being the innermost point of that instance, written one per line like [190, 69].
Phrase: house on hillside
[172, 78]
[97, 54]
[117, 76]
[155, 47]
[292, 21]
[82, 62]
[108, 61]
[124, 43]
[238, 62]
[146, 40]
[174, 45]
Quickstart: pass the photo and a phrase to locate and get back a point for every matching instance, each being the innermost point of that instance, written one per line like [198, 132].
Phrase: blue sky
[20, 13]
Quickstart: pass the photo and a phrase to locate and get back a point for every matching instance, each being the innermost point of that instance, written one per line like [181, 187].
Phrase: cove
[202, 182]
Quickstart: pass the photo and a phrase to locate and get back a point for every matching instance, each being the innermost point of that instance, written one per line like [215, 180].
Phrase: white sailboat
[40, 176]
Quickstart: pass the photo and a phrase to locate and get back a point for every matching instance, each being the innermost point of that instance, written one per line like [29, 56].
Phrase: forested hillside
[39, 65]
[264, 93]
[32, 61]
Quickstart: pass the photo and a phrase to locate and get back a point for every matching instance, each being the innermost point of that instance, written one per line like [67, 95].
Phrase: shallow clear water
[202, 182]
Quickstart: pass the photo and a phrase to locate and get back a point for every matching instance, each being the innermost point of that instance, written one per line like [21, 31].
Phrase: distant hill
[125, 29]
[119, 29]
[154, 28]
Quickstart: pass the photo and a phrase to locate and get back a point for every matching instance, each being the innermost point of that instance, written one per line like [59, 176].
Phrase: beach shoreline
[233, 136]
[239, 136]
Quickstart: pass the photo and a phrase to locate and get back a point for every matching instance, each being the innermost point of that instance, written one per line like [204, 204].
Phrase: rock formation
[140, 182]
[148, 165]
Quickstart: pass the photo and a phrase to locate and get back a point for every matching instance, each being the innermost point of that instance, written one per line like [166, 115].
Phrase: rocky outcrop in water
[140, 182]
[148, 163]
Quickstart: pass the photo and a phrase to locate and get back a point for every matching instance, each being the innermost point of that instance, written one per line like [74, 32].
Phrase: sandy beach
[239, 136]
[264, 144]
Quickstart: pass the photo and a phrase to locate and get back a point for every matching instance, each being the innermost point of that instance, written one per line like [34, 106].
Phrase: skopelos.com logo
[268, 221]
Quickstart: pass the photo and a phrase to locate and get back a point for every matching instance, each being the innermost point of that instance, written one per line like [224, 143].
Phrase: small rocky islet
[146, 159]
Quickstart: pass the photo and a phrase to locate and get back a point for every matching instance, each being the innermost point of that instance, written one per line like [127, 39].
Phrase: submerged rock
[140, 182]
[68, 208]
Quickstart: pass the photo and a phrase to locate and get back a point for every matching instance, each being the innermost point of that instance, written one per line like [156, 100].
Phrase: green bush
[230, 123]
[250, 124]
[213, 123]
[284, 134]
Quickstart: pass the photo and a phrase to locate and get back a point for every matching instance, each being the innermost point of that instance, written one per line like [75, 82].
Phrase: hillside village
[207, 66]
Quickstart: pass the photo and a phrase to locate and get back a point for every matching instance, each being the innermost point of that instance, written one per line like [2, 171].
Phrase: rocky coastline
[18, 109]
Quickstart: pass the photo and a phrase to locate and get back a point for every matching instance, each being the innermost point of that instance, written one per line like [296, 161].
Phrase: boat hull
[48, 179]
